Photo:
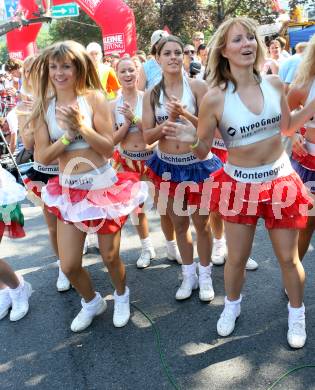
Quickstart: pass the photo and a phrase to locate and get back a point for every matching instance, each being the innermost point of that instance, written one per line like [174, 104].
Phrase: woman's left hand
[183, 131]
[126, 111]
[71, 117]
[174, 108]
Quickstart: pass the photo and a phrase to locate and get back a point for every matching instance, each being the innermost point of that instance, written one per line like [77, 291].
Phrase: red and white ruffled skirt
[11, 217]
[274, 192]
[100, 199]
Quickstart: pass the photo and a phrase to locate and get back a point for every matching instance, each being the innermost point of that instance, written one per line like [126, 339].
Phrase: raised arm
[291, 121]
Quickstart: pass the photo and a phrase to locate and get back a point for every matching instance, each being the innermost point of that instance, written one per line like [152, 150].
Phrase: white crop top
[120, 119]
[239, 126]
[188, 99]
[56, 132]
[310, 97]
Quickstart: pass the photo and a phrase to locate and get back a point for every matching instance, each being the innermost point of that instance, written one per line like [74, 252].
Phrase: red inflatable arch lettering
[114, 17]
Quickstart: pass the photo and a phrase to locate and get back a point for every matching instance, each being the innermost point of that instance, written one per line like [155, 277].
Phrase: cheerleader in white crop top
[301, 93]
[88, 195]
[174, 170]
[38, 174]
[258, 180]
[133, 151]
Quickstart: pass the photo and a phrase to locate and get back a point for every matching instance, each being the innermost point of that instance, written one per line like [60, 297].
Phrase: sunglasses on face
[189, 52]
[199, 39]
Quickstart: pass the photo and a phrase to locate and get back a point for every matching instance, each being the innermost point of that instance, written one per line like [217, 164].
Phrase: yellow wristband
[135, 119]
[65, 141]
[195, 145]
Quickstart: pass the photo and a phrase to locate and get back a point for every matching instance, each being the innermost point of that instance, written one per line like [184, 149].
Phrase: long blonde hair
[218, 71]
[87, 76]
[306, 69]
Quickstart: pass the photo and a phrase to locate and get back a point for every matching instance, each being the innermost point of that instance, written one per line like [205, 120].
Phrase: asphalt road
[40, 352]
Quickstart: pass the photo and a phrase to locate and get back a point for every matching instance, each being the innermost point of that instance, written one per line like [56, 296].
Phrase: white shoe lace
[297, 328]
[219, 249]
[227, 319]
[205, 284]
[144, 258]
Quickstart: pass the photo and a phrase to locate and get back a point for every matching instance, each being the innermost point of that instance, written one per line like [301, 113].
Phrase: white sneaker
[121, 309]
[86, 315]
[20, 299]
[63, 283]
[226, 323]
[219, 252]
[145, 257]
[296, 329]
[189, 283]
[251, 265]
[206, 292]
[5, 302]
[296, 333]
[92, 240]
[174, 255]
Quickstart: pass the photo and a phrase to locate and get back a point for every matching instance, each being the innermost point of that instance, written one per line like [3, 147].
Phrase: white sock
[189, 269]
[146, 243]
[296, 313]
[122, 298]
[171, 245]
[237, 302]
[91, 304]
[204, 271]
[19, 287]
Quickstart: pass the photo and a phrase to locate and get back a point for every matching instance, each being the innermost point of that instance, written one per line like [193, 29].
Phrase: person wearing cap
[151, 73]
[107, 75]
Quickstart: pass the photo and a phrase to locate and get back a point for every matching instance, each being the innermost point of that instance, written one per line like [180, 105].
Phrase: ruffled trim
[237, 200]
[307, 176]
[196, 172]
[221, 154]
[307, 161]
[75, 205]
[10, 190]
[11, 221]
[128, 165]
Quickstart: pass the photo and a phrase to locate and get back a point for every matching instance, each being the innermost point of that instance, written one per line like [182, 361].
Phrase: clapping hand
[183, 131]
[174, 108]
[126, 111]
[71, 119]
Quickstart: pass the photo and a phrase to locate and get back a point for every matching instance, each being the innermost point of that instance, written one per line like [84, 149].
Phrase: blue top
[152, 72]
[289, 67]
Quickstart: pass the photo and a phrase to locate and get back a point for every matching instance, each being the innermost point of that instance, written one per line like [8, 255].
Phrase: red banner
[114, 17]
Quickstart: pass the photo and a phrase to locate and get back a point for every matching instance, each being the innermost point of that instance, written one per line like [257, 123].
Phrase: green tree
[4, 55]
[81, 29]
[147, 20]
[183, 17]
[260, 10]
[43, 38]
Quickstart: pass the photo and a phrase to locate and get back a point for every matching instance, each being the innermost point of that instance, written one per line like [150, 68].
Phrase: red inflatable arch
[114, 17]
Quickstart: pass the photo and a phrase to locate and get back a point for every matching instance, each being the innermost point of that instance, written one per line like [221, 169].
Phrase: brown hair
[156, 91]
[87, 76]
